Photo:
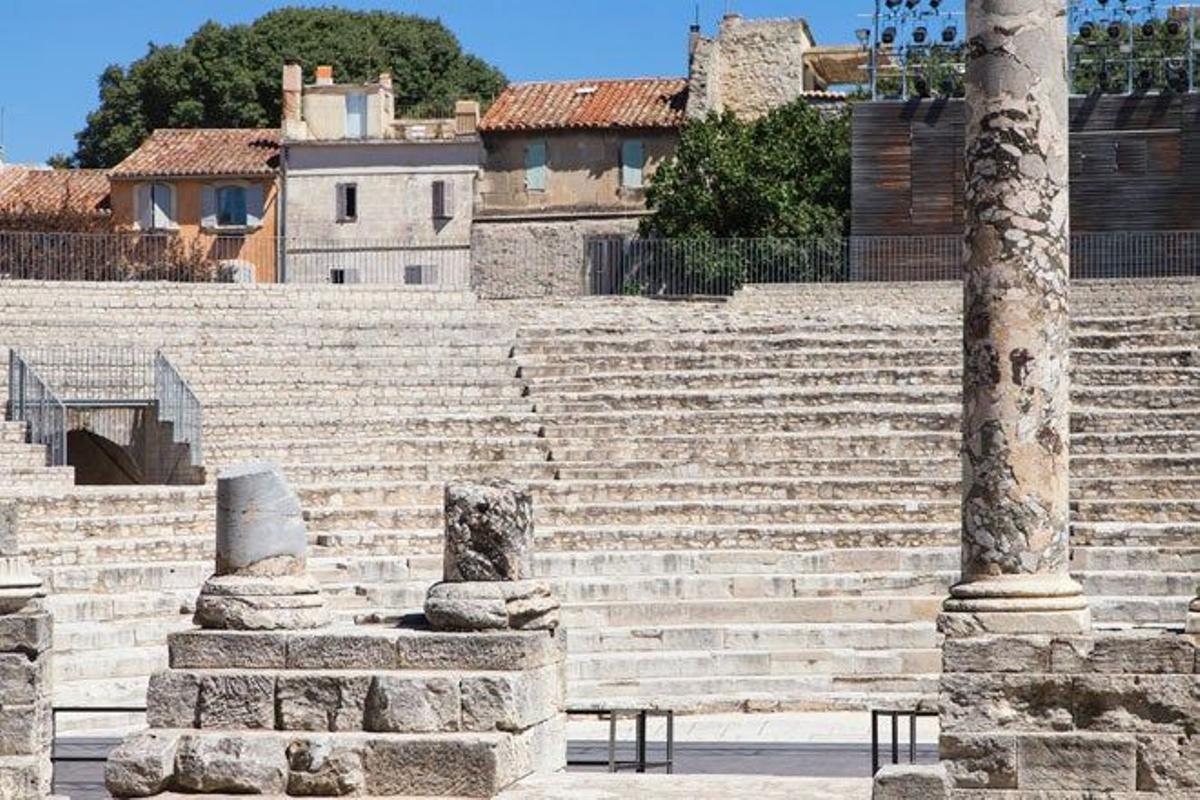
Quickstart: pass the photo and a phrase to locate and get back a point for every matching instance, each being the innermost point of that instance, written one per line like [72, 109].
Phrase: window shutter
[254, 206]
[535, 167]
[633, 162]
[208, 205]
[143, 206]
[443, 199]
[341, 202]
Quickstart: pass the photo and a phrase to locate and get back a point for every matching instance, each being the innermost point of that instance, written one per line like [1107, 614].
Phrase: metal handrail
[178, 404]
[33, 402]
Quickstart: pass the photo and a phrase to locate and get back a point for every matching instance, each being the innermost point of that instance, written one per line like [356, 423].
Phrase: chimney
[293, 87]
[693, 40]
[385, 80]
[324, 75]
[466, 117]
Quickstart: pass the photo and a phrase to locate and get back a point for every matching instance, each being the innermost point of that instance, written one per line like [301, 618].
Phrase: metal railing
[47, 385]
[33, 402]
[178, 404]
[417, 264]
[894, 715]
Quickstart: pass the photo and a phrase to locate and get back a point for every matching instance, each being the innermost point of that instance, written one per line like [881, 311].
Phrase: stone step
[89, 606]
[1141, 610]
[753, 664]
[832, 610]
[351, 472]
[48, 555]
[179, 578]
[765, 637]
[279, 423]
[1133, 583]
[1142, 533]
[1097, 560]
[355, 448]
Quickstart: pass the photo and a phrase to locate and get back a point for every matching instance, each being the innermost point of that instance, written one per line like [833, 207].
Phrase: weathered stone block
[24, 778]
[337, 650]
[173, 700]
[911, 782]
[1168, 764]
[1136, 703]
[501, 650]
[261, 604]
[321, 702]
[1096, 762]
[489, 532]
[542, 748]
[219, 649]
[413, 704]
[995, 702]
[237, 764]
[9, 544]
[142, 765]
[996, 654]
[980, 761]
[23, 682]
[1124, 653]
[24, 730]
[321, 768]
[460, 767]
[503, 605]
[30, 634]
[510, 702]
[237, 702]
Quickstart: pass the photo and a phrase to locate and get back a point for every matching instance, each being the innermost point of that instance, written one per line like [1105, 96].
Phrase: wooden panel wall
[1135, 167]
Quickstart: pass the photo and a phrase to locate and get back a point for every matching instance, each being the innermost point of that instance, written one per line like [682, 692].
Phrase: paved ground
[680, 787]
[831, 749]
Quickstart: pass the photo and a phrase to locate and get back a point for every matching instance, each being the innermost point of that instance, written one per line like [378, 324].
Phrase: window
[633, 163]
[156, 206]
[443, 200]
[231, 207]
[356, 115]
[341, 275]
[420, 274]
[347, 202]
[535, 167]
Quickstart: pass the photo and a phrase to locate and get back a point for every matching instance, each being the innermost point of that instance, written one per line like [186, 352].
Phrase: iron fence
[55, 388]
[558, 265]
[32, 401]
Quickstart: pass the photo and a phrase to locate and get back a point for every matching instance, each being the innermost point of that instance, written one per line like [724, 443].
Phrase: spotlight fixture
[1173, 27]
[864, 35]
[1177, 80]
[889, 35]
[921, 86]
[949, 34]
[1148, 28]
[935, 4]
[1087, 30]
[1114, 30]
[894, 3]
[911, 4]
[920, 34]
[1145, 80]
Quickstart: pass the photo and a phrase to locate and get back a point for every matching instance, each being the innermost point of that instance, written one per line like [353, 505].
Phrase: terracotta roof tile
[23, 189]
[632, 103]
[176, 153]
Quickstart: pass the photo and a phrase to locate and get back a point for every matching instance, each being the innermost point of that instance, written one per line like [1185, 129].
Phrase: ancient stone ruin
[25, 642]
[269, 697]
[1032, 701]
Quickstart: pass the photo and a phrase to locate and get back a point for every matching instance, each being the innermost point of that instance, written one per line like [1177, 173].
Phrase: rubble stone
[142, 765]
[237, 764]
[482, 606]
[911, 782]
[320, 768]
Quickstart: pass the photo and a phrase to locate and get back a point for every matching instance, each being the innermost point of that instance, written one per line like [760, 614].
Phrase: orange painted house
[214, 190]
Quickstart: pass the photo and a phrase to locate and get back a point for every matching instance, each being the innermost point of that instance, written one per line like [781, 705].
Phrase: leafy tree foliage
[229, 76]
[784, 175]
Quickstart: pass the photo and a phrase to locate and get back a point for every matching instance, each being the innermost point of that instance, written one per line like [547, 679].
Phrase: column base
[1016, 604]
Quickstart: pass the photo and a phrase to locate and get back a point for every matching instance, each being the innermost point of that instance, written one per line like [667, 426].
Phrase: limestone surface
[502, 605]
[489, 532]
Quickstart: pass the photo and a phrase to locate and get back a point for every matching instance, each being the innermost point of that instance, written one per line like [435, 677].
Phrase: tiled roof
[178, 153]
[23, 189]
[634, 103]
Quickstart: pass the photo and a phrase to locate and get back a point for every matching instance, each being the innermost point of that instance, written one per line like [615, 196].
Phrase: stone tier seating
[743, 505]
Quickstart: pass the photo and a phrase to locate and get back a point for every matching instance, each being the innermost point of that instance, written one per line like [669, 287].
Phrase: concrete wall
[750, 67]
[324, 109]
[537, 258]
[255, 246]
[583, 169]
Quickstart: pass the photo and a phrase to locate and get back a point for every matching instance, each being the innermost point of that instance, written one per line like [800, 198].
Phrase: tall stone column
[1016, 401]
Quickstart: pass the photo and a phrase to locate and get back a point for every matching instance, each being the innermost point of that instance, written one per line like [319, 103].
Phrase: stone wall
[750, 67]
[537, 258]
[1105, 713]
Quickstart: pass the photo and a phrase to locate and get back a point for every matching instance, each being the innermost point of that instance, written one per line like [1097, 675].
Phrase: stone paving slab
[589, 786]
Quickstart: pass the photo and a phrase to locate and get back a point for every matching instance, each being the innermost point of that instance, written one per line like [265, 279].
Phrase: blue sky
[47, 90]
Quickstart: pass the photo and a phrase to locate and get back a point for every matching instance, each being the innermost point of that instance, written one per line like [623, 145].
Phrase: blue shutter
[535, 167]
[356, 116]
[254, 206]
[633, 162]
[144, 207]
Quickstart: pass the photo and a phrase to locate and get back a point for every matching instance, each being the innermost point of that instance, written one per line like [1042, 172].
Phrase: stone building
[48, 195]
[372, 198]
[211, 191]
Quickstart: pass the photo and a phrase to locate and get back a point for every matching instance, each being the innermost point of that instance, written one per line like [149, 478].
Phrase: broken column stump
[488, 563]
[344, 710]
[25, 678]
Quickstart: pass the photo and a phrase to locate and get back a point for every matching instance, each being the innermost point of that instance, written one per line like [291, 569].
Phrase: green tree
[229, 76]
[785, 175]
